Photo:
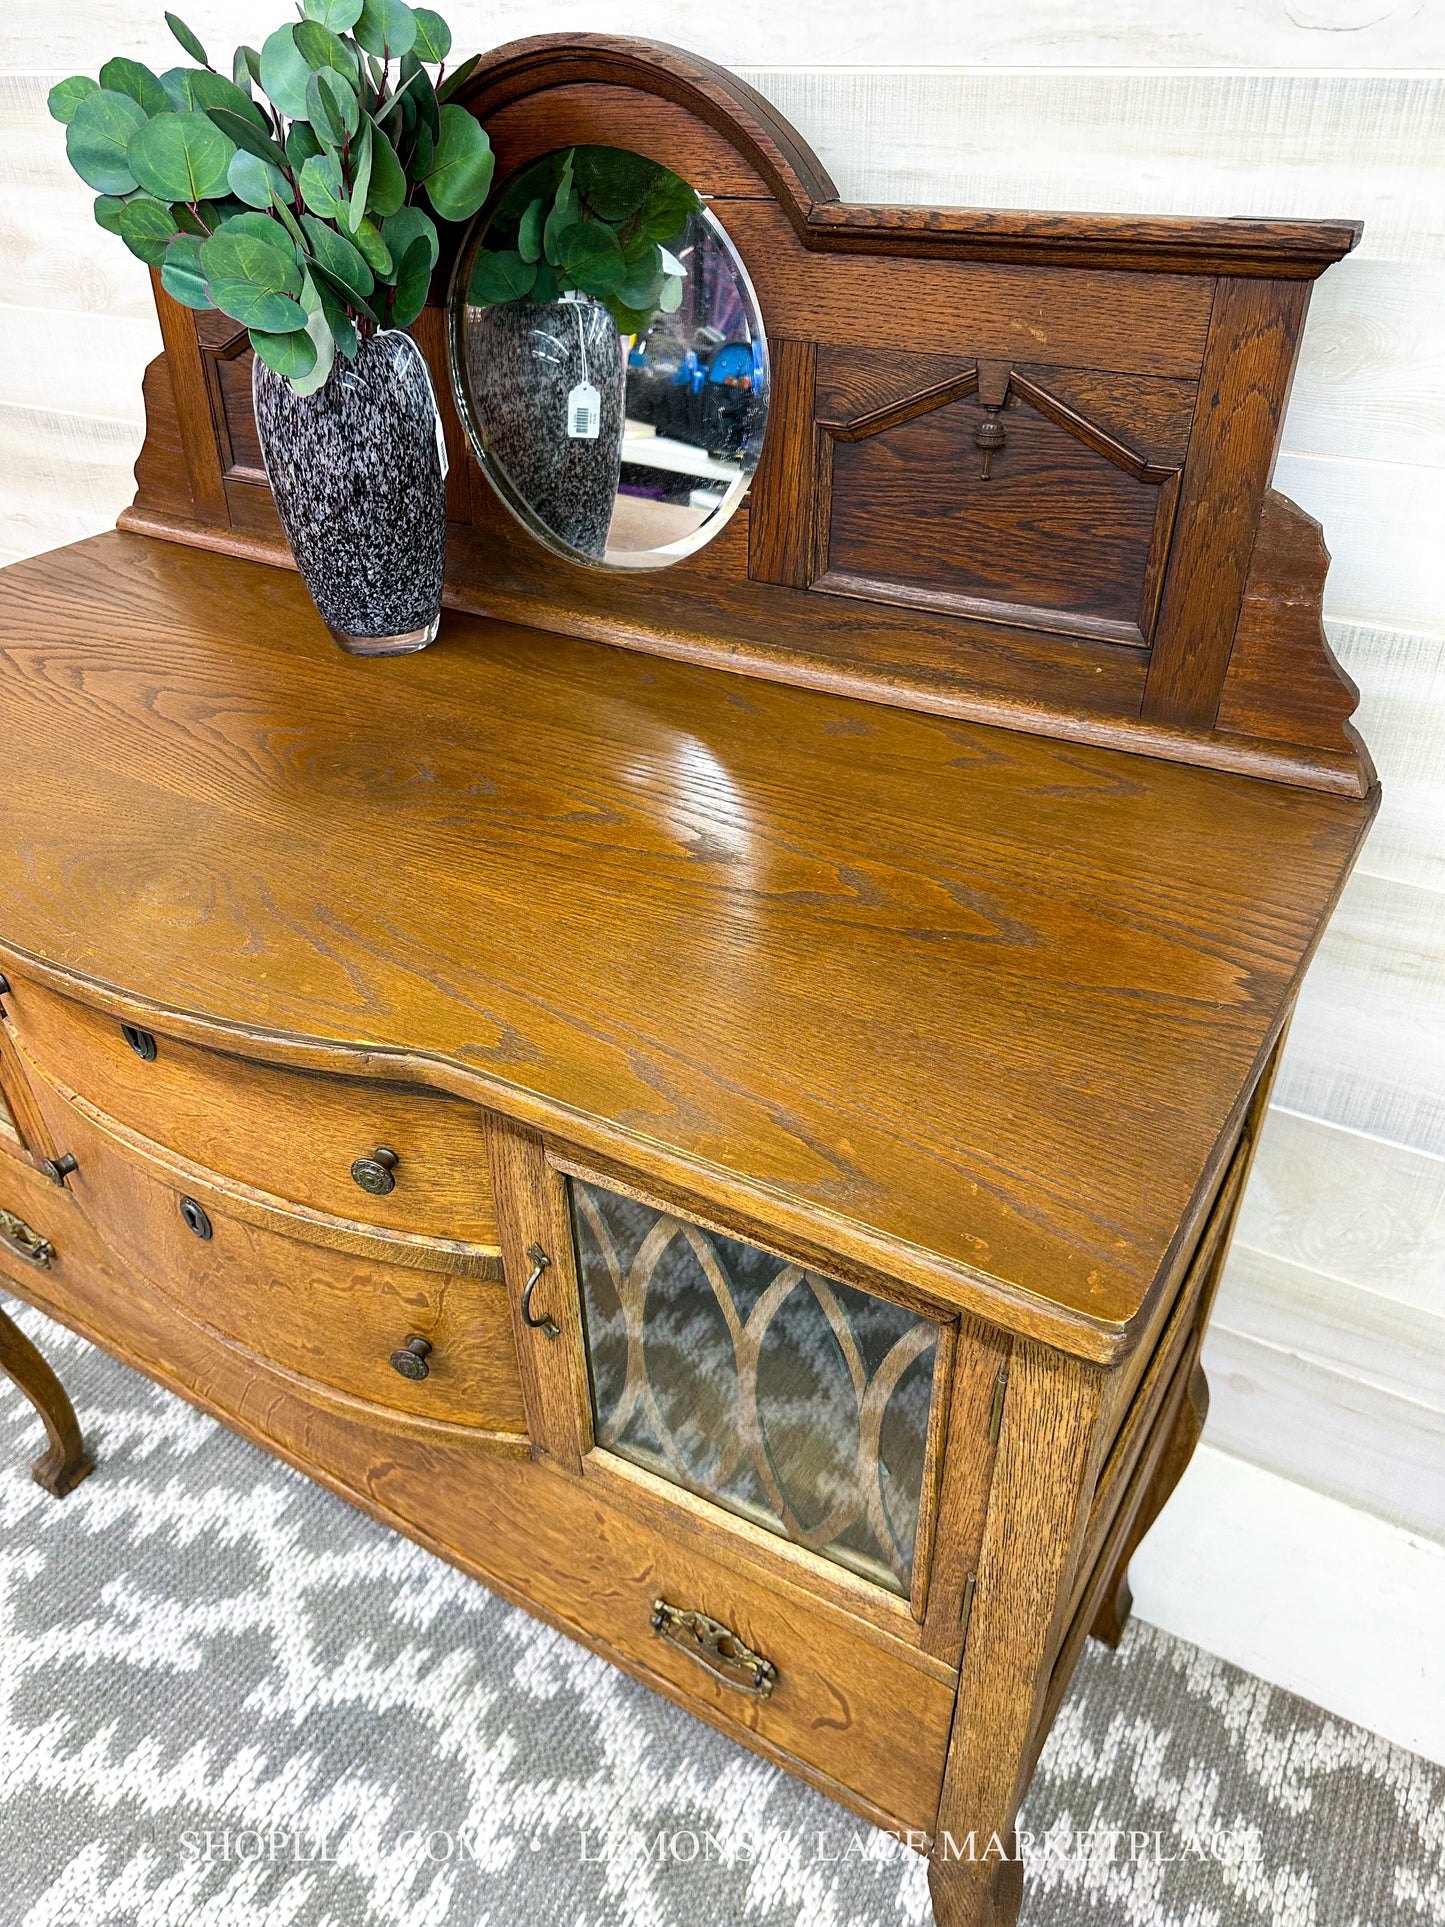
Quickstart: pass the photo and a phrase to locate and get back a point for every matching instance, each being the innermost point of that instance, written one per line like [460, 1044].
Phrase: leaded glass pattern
[790, 1398]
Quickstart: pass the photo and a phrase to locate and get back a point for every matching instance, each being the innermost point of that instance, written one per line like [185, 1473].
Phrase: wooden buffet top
[970, 1005]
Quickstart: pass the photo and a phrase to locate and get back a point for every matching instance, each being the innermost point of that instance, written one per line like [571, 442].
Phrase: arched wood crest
[1017, 465]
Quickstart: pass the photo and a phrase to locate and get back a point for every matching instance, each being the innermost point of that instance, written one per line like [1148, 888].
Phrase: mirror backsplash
[609, 359]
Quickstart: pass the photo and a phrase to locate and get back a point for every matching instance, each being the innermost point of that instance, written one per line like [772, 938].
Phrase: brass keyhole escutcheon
[194, 1217]
[140, 1041]
[375, 1174]
[411, 1358]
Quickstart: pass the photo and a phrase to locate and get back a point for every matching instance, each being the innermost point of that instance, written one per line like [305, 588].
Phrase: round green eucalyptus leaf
[193, 90]
[592, 259]
[262, 227]
[378, 255]
[459, 76]
[613, 182]
[334, 305]
[546, 287]
[97, 140]
[266, 261]
[321, 187]
[147, 227]
[500, 276]
[321, 49]
[318, 328]
[630, 321]
[433, 40]
[301, 144]
[461, 168]
[386, 28]
[187, 39]
[144, 87]
[529, 231]
[255, 307]
[340, 15]
[339, 257]
[399, 230]
[66, 95]
[291, 353]
[670, 299]
[181, 275]
[643, 278]
[244, 133]
[413, 278]
[180, 157]
[284, 73]
[253, 180]
[107, 212]
[331, 108]
[387, 191]
[667, 208]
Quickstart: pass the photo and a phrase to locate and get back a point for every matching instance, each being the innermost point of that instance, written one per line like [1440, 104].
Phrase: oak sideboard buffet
[715, 1097]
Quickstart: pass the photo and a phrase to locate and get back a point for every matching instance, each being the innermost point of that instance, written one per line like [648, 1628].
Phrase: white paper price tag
[584, 412]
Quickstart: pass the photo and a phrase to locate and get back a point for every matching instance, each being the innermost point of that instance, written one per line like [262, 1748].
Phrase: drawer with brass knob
[356, 1148]
[334, 1317]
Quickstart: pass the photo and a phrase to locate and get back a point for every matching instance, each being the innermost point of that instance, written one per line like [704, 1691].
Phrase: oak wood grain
[324, 1315]
[287, 1133]
[866, 1723]
[932, 994]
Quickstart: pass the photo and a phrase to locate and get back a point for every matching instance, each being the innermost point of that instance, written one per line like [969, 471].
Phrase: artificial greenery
[596, 219]
[287, 195]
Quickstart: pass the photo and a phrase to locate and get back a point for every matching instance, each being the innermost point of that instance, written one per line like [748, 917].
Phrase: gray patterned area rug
[228, 1700]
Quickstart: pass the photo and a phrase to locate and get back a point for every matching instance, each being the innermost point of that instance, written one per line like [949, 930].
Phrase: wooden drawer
[291, 1133]
[331, 1317]
[852, 1708]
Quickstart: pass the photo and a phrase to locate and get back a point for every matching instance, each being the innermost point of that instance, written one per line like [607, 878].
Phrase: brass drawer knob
[716, 1648]
[21, 1242]
[59, 1169]
[374, 1174]
[195, 1218]
[411, 1360]
[140, 1041]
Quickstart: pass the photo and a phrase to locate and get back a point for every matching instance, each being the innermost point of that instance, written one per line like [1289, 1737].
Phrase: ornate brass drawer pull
[716, 1648]
[17, 1237]
[546, 1323]
[374, 1174]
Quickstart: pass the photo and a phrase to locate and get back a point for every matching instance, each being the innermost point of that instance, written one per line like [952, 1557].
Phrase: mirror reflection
[609, 358]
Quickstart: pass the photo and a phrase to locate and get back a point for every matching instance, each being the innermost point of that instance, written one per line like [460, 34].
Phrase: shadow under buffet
[715, 1097]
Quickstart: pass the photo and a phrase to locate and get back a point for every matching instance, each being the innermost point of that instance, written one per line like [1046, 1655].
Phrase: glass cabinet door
[797, 1401]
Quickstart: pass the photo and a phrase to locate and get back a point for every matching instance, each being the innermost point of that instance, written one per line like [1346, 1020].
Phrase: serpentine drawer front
[297, 1135]
[434, 1343]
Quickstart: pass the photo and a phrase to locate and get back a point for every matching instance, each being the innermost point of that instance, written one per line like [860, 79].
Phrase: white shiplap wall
[1328, 1353]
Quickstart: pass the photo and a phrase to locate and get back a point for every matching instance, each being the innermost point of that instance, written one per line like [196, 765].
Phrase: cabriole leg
[62, 1467]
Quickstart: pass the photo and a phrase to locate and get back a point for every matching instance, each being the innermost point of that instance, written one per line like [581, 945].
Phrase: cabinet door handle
[546, 1323]
[716, 1648]
[17, 1238]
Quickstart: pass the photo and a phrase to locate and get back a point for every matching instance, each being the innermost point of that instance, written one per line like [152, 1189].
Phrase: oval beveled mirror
[609, 359]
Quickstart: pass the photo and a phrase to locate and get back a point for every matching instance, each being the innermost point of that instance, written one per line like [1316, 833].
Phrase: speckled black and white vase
[524, 360]
[358, 472]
